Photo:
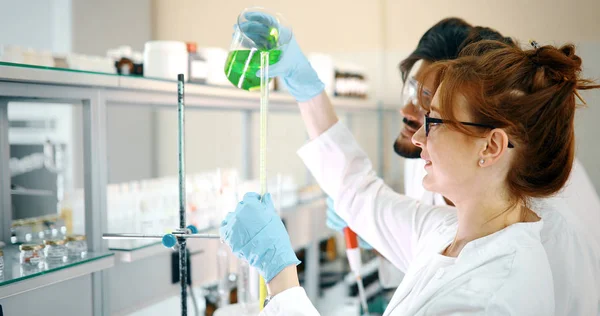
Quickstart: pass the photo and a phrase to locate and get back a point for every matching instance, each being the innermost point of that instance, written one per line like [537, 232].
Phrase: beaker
[257, 30]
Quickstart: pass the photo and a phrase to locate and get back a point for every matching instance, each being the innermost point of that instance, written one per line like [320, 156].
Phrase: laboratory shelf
[129, 245]
[125, 89]
[61, 76]
[278, 99]
[31, 192]
[16, 279]
[134, 250]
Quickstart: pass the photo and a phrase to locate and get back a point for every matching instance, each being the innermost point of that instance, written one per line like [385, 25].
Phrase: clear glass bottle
[223, 287]
[55, 251]
[31, 254]
[22, 231]
[37, 227]
[243, 285]
[76, 246]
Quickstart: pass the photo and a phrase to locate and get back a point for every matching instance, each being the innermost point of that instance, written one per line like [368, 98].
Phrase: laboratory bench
[112, 270]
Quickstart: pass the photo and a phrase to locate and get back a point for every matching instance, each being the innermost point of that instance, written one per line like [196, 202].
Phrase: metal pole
[153, 236]
[181, 149]
[95, 180]
[5, 197]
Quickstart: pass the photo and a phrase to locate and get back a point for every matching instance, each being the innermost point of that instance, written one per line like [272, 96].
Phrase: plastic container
[198, 68]
[12, 54]
[165, 59]
[215, 59]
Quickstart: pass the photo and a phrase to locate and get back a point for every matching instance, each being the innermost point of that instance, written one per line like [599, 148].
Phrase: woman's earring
[482, 161]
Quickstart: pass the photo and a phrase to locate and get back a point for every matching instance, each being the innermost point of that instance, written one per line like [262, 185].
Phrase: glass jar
[76, 246]
[55, 251]
[31, 254]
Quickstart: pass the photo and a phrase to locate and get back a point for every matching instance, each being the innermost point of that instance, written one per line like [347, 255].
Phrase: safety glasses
[410, 90]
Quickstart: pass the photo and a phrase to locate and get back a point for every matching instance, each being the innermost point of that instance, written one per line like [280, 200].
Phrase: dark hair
[445, 40]
[440, 42]
[481, 33]
[531, 95]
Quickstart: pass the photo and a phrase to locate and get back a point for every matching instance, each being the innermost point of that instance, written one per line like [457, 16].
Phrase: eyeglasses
[436, 121]
[409, 92]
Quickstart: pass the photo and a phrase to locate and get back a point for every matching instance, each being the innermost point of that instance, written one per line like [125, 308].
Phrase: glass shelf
[3, 63]
[18, 65]
[14, 272]
[131, 244]
[93, 78]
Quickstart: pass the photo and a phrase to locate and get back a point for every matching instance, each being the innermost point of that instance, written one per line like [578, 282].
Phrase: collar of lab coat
[475, 254]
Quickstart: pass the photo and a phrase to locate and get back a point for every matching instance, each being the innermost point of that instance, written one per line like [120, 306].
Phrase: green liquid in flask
[242, 67]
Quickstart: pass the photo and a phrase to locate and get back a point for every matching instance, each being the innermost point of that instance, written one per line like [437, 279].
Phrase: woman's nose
[419, 137]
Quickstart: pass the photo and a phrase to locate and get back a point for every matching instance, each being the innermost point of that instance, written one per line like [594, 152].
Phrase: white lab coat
[506, 273]
[570, 237]
[414, 171]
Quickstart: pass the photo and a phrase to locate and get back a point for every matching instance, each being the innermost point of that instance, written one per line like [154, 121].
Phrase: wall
[542, 20]
[100, 25]
[586, 120]
[131, 151]
[46, 26]
[333, 24]
[546, 21]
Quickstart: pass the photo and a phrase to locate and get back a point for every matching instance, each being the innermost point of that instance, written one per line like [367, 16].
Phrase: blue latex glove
[335, 222]
[256, 234]
[298, 75]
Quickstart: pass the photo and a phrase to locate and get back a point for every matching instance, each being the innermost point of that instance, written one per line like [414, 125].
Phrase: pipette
[264, 107]
[353, 253]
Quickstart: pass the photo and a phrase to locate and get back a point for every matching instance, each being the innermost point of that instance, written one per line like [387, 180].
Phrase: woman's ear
[495, 145]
